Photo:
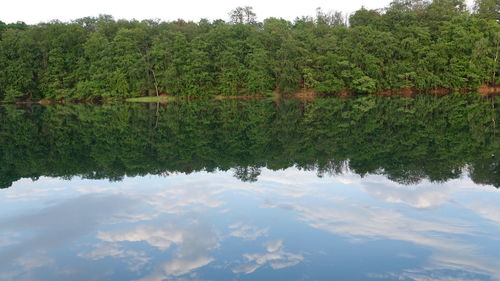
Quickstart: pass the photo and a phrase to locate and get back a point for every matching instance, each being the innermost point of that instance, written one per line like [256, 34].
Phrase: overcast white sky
[35, 11]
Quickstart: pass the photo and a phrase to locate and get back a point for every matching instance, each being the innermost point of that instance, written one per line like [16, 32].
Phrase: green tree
[489, 9]
[243, 15]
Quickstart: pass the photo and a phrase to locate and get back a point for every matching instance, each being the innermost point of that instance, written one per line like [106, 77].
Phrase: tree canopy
[405, 139]
[413, 44]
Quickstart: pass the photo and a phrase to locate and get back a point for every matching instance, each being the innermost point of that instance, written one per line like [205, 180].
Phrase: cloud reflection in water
[178, 226]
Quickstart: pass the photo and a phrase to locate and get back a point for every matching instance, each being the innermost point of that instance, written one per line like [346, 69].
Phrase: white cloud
[160, 237]
[38, 182]
[61, 223]
[362, 222]
[275, 256]
[421, 197]
[30, 193]
[343, 211]
[273, 246]
[135, 259]
[193, 237]
[246, 268]
[175, 200]
[489, 210]
[181, 266]
[374, 222]
[247, 232]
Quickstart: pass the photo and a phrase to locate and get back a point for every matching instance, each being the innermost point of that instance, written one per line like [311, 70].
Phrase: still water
[362, 189]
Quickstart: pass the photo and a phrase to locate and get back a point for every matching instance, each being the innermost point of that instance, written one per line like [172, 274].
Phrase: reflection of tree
[486, 171]
[406, 176]
[405, 139]
[331, 167]
[247, 174]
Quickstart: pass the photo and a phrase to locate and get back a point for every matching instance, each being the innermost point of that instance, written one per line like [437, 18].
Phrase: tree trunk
[495, 63]
[156, 82]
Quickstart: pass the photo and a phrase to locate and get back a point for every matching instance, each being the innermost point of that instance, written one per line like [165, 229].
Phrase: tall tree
[243, 15]
[489, 9]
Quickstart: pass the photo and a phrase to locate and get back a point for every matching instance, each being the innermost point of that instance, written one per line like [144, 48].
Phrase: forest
[410, 44]
[405, 139]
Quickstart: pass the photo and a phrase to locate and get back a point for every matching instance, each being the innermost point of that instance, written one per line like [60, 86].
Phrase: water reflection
[405, 139]
[274, 256]
[211, 226]
[253, 190]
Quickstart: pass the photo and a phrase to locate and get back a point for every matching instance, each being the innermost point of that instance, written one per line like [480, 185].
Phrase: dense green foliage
[405, 139]
[410, 44]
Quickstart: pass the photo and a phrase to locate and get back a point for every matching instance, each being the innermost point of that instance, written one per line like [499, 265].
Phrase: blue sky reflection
[211, 226]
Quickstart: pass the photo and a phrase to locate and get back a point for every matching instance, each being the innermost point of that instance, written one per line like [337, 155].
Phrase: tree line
[405, 139]
[414, 44]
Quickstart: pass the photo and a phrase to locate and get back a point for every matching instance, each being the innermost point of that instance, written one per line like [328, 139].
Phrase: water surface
[362, 189]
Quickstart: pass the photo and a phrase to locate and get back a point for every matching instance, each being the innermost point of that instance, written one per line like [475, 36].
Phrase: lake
[366, 188]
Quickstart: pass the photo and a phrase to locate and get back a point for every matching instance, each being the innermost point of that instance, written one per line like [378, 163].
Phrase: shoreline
[306, 94]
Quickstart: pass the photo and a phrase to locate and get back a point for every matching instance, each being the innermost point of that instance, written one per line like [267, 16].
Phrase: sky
[35, 11]
[201, 225]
